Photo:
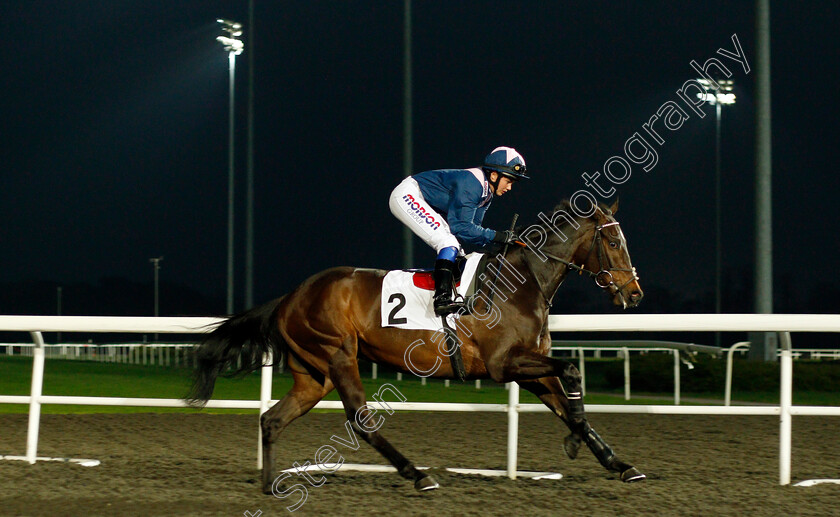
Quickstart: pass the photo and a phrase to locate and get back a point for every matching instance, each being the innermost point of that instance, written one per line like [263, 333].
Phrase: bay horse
[334, 317]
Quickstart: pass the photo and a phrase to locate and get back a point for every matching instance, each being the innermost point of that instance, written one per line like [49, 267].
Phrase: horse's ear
[614, 207]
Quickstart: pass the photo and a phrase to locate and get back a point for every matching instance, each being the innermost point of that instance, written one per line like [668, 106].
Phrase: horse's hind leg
[344, 371]
[303, 396]
[569, 407]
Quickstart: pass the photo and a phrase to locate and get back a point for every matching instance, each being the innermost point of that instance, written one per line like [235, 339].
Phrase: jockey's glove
[505, 237]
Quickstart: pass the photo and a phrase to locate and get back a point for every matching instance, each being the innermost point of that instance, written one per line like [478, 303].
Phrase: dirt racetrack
[202, 464]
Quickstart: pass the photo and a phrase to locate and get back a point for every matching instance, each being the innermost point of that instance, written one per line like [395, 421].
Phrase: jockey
[445, 209]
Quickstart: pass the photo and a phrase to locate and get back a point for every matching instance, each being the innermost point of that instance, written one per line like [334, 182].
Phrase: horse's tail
[245, 336]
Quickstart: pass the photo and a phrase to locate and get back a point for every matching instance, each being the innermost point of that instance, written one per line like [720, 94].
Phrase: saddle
[424, 278]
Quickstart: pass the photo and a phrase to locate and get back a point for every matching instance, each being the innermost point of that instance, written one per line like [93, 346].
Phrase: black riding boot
[444, 272]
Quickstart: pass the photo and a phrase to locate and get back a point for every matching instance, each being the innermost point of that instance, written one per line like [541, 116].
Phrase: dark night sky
[115, 132]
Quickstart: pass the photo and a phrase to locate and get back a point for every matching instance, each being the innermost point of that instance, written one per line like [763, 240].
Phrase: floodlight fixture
[231, 44]
[726, 98]
[720, 95]
[231, 27]
[229, 23]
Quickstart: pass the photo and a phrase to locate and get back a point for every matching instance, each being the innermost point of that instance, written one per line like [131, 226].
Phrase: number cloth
[407, 306]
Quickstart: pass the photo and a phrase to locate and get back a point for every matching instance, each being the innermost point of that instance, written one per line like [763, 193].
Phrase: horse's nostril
[636, 296]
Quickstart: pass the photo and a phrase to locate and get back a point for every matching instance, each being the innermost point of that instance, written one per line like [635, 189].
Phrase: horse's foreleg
[344, 370]
[539, 374]
[567, 403]
[552, 393]
[628, 473]
[303, 396]
[521, 365]
[582, 431]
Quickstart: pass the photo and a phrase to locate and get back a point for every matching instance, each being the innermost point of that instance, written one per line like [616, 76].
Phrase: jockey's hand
[505, 237]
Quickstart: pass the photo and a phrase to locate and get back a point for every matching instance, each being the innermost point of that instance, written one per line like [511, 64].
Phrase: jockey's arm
[464, 213]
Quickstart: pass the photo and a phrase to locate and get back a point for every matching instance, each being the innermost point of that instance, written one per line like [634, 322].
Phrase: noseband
[603, 278]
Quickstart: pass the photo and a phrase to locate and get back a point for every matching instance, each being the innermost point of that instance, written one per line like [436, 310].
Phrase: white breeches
[408, 205]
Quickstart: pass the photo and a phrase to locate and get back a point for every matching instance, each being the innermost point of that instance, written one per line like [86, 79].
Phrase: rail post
[785, 403]
[265, 398]
[676, 377]
[513, 428]
[582, 368]
[626, 352]
[727, 396]
[35, 397]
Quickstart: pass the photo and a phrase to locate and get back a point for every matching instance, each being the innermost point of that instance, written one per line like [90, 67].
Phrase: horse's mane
[564, 206]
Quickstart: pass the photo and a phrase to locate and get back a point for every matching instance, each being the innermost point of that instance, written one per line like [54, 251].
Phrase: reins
[602, 258]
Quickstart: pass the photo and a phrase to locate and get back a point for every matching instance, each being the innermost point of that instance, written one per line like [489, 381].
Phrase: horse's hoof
[571, 444]
[632, 475]
[426, 483]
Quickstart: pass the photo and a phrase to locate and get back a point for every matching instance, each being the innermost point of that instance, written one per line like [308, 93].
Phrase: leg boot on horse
[581, 428]
[568, 405]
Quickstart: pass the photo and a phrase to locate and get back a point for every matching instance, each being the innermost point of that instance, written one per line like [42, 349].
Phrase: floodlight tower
[234, 47]
[717, 93]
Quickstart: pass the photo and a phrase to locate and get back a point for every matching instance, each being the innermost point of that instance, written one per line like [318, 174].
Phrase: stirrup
[448, 307]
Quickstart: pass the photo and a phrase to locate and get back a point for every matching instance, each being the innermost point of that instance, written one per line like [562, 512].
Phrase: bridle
[603, 278]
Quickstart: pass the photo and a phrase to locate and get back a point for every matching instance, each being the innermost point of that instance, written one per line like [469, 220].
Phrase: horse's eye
[613, 244]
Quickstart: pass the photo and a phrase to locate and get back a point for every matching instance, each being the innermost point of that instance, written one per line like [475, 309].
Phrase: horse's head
[608, 260]
[597, 247]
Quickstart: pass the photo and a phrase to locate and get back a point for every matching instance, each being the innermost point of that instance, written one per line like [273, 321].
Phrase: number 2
[392, 319]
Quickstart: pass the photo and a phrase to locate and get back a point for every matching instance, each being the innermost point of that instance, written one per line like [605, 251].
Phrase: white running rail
[783, 323]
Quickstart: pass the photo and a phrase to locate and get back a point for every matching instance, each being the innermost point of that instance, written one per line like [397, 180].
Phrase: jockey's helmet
[507, 162]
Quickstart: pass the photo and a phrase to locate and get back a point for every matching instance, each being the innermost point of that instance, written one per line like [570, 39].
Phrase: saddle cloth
[407, 296]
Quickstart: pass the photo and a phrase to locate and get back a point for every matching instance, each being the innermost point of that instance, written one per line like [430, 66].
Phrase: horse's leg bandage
[599, 447]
